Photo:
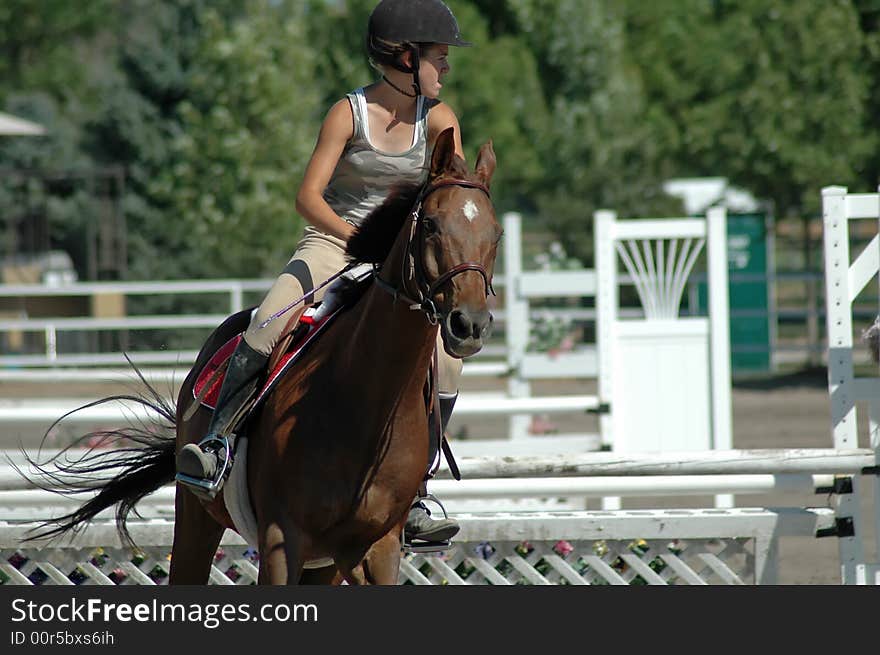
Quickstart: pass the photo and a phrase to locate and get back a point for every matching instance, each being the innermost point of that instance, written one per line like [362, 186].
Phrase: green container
[748, 264]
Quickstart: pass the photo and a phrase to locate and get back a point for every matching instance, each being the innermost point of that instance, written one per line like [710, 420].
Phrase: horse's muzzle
[465, 330]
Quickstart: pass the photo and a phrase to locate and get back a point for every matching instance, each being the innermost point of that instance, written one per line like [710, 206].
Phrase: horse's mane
[373, 239]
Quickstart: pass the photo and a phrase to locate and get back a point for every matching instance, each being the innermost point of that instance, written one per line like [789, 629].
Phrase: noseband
[416, 263]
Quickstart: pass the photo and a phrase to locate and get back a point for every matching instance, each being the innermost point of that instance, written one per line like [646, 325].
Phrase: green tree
[41, 45]
[336, 33]
[137, 121]
[869, 22]
[771, 95]
[42, 79]
[494, 88]
[597, 149]
[247, 128]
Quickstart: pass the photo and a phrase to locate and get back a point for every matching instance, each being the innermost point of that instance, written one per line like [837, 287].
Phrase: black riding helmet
[399, 25]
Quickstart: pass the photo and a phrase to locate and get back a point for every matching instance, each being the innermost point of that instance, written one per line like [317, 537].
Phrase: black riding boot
[204, 467]
[419, 524]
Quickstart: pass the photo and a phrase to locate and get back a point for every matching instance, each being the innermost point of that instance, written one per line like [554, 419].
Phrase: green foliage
[596, 149]
[869, 23]
[771, 95]
[336, 34]
[41, 43]
[212, 108]
[495, 90]
[247, 128]
[137, 122]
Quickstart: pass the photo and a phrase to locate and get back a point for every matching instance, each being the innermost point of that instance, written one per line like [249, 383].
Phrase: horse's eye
[430, 225]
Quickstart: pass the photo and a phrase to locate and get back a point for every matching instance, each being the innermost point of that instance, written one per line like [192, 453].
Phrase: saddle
[207, 386]
[341, 295]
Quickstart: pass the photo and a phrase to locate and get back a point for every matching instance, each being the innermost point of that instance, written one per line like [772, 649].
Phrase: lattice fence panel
[594, 562]
[591, 562]
[118, 566]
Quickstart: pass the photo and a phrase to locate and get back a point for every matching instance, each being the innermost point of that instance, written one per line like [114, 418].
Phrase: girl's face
[433, 66]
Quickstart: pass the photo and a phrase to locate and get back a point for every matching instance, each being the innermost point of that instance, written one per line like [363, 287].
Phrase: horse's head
[453, 246]
[440, 261]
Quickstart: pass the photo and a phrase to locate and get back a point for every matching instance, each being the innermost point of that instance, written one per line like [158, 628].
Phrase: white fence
[845, 279]
[717, 546]
[518, 365]
[499, 549]
[522, 289]
[730, 545]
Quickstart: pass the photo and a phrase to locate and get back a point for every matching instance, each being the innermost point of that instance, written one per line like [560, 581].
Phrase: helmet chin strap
[398, 89]
[412, 68]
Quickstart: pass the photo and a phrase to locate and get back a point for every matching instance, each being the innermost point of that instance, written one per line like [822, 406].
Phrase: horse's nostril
[460, 325]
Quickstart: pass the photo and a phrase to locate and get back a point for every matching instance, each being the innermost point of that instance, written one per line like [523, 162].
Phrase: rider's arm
[440, 117]
[336, 131]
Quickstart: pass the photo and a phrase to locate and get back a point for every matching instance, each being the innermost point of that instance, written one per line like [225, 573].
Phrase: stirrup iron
[427, 546]
[436, 501]
[207, 489]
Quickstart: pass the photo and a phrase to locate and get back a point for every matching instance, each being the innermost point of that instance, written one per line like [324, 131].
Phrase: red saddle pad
[211, 375]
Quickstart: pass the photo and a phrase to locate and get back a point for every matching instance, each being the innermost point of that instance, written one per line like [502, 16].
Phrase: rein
[426, 290]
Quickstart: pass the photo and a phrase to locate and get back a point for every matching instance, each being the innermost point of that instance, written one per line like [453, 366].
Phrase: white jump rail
[582, 476]
[16, 494]
[596, 538]
[175, 375]
[34, 410]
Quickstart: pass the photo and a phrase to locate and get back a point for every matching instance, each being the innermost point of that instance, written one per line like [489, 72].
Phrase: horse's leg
[380, 565]
[382, 562]
[326, 575]
[282, 549]
[196, 537]
[351, 568]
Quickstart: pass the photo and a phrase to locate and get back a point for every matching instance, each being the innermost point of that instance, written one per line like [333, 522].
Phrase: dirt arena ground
[789, 411]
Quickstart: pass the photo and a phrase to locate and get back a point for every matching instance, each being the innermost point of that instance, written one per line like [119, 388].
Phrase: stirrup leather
[209, 488]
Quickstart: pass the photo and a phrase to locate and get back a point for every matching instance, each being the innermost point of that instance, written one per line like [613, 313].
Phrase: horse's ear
[485, 163]
[444, 152]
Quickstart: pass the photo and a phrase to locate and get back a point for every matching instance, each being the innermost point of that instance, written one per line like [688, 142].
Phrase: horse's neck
[396, 340]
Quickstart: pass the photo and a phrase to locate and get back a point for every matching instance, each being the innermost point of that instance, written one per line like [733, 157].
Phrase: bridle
[414, 261]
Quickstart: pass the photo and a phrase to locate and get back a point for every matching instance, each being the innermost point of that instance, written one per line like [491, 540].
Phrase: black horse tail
[142, 457]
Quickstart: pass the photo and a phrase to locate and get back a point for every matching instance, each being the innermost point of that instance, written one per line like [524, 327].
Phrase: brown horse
[339, 448]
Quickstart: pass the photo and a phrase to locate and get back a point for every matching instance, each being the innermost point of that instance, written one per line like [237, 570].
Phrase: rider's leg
[317, 257]
[420, 524]
[205, 460]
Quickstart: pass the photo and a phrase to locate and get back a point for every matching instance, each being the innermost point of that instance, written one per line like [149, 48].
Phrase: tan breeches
[317, 257]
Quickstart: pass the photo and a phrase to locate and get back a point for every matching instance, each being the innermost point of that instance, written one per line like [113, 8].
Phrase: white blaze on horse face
[470, 211]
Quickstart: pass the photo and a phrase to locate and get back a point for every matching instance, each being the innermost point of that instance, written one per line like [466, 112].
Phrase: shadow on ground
[815, 377]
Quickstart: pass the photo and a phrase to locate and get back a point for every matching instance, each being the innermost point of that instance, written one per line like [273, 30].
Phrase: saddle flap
[210, 379]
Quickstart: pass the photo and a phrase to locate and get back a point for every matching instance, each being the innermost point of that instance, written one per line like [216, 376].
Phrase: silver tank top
[365, 175]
